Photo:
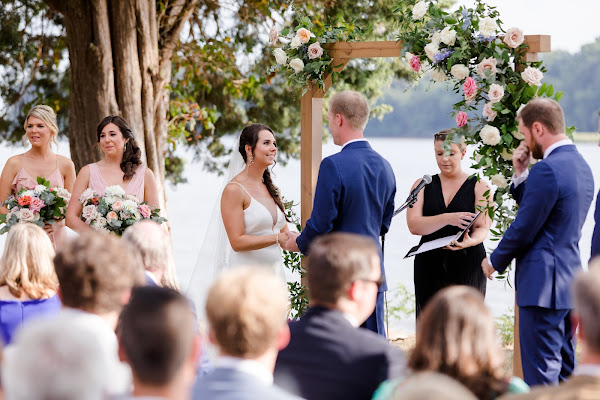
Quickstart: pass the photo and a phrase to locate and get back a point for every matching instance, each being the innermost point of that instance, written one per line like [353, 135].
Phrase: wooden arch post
[311, 141]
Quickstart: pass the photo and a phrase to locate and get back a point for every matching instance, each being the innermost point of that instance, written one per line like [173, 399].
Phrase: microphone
[425, 181]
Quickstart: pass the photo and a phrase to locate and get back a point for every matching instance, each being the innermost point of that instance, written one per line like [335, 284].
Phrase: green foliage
[506, 327]
[299, 299]
[401, 303]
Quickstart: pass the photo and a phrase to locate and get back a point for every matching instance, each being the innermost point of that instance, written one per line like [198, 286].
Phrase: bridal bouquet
[115, 211]
[40, 205]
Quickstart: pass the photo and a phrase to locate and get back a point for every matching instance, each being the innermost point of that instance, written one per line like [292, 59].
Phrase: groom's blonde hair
[353, 106]
[246, 308]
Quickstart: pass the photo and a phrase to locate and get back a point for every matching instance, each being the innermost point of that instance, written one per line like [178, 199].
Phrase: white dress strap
[242, 186]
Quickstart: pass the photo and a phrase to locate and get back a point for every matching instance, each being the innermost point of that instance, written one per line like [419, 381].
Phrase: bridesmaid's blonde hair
[46, 114]
[27, 262]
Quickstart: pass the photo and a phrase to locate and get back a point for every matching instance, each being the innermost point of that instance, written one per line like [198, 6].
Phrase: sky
[571, 23]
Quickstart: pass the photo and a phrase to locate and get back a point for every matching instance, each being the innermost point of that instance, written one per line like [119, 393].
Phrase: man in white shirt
[246, 310]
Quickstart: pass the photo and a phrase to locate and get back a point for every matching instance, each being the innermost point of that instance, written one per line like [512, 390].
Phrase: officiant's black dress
[439, 268]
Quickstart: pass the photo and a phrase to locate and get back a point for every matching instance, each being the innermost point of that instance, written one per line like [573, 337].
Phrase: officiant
[446, 207]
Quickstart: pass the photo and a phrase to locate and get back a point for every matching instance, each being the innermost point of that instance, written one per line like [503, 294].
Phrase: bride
[251, 225]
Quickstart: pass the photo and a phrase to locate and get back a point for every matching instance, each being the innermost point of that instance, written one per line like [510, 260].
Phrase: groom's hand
[290, 244]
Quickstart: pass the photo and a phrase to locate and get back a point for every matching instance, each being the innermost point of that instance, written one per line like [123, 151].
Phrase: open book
[441, 242]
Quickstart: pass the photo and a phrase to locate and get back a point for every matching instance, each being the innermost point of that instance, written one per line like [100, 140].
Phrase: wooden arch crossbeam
[312, 104]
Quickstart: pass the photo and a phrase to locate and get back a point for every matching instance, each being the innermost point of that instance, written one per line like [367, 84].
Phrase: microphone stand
[407, 204]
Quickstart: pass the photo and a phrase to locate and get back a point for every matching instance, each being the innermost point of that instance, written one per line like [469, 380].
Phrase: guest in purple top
[28, 282]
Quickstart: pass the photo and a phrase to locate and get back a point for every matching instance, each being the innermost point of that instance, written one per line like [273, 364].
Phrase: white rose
[273, 34]
[280, 56]
[419, 10]
[408, 56]
[514, 38]
[459, 71]
[100, 222]
[129, 206]
[518, 135]
[89, 212]
[29, 193]
[438, 75]
[490, 135]
[487, 64]
[115, 190]
[26, 215]
[64, 193]
[495, 93]
[431, 50]
[86, 195]
[448, 36]
[499, 180]
[506, 155]
[132, 198]
[533, 76]
[436, 38]
[111, 199]
[297, 65]
[487, 27]
[39, 189]
[488, 112]
[136, 215]
[296, 42]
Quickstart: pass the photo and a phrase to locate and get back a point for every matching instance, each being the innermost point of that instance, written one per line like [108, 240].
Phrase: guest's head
[348, 115]
[431, 386]
[343, 272]
[542, 122]
[40, 126]
[55, 359]
[450, 162]
[116, 139]
[456, 336]
[587, 308]
[26, 267]
[153, 244]
[96, 273]
[246, 309]
[158, 338]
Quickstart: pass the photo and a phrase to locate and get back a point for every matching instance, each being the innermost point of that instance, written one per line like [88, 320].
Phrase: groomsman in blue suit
[355, 188]
[596, 235]
[554, 199]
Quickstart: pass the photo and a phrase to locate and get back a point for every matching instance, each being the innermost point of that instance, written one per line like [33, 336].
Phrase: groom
[355, 188]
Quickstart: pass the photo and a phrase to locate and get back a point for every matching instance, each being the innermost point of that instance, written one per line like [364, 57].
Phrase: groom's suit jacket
[544, 237]
[355, 193]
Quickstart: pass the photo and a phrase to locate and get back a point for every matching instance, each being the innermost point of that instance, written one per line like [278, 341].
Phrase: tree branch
[57, 5]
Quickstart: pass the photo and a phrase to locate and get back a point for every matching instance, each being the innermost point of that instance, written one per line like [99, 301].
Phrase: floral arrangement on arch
[471, 49]
[302, 55]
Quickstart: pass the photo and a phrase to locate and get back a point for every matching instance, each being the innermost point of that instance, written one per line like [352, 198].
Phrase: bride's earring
[251, 159]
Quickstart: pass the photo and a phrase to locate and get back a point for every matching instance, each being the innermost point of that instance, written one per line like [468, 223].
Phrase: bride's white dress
[258, 221]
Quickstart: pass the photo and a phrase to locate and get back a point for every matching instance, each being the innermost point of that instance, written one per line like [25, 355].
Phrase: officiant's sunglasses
[379, 282]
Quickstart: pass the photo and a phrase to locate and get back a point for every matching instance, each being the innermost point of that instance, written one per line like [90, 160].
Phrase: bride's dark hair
[249, 137]
[132, 153]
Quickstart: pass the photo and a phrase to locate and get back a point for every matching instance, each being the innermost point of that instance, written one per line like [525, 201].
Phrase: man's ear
[121, 351]
[283, 337]
[538, 129]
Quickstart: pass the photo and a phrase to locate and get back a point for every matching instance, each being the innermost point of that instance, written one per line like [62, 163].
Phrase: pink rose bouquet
[40, 205]
[115, 211]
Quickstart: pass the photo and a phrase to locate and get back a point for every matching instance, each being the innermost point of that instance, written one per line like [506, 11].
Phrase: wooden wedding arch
[311, 141]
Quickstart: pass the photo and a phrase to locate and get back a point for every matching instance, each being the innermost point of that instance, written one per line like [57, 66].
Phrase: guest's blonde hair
[246, 308]
[352, 105]
[26, 265]
[46, 114]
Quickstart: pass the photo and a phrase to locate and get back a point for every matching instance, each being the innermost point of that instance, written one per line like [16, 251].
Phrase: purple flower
[442, 55]
[480, 38]
[466, 19]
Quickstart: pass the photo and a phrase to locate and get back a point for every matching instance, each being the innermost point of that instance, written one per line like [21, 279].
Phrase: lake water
[190, 206]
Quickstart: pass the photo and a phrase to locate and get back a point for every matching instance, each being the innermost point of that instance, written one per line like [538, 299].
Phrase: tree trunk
[120, 64]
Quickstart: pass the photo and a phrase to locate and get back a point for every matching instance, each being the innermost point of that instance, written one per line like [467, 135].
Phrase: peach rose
[145, 210]
[315, 51]
[488, 112]
[461, 119]
[514, 38]
[533, 76]
[117, 205]
[495, 93]
[487, 64]
[304, 35]
[112, 216]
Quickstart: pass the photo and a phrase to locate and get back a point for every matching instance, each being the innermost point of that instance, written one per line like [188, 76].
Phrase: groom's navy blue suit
[355, 193]
[544, 239]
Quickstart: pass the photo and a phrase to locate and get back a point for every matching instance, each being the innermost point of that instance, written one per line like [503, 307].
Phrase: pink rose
[145, 210]
[461, 119]
[112, 216]
[470, 89]
[117, 205]
[514, 38]
[36, 204]
[315, 51]
[487, 64]
[532, 76]
[415, 63]
[488, 112]
[496, 93]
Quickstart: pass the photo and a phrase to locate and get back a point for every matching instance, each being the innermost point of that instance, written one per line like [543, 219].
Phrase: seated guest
[431, 386]
[456, 336]
[154, 247]
[96, 273]
[55, 359]
[328, 356]
[585, 382]
[246, 309]
[27, 280]
[158, 338]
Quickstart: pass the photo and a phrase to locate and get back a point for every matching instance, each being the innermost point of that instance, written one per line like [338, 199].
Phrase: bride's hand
[282, 239]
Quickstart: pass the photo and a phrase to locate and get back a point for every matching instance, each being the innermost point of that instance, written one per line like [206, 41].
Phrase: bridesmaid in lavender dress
[121, 165]
[22, 170]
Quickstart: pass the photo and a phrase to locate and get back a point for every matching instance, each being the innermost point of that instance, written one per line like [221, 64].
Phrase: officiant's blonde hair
[352, 105]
